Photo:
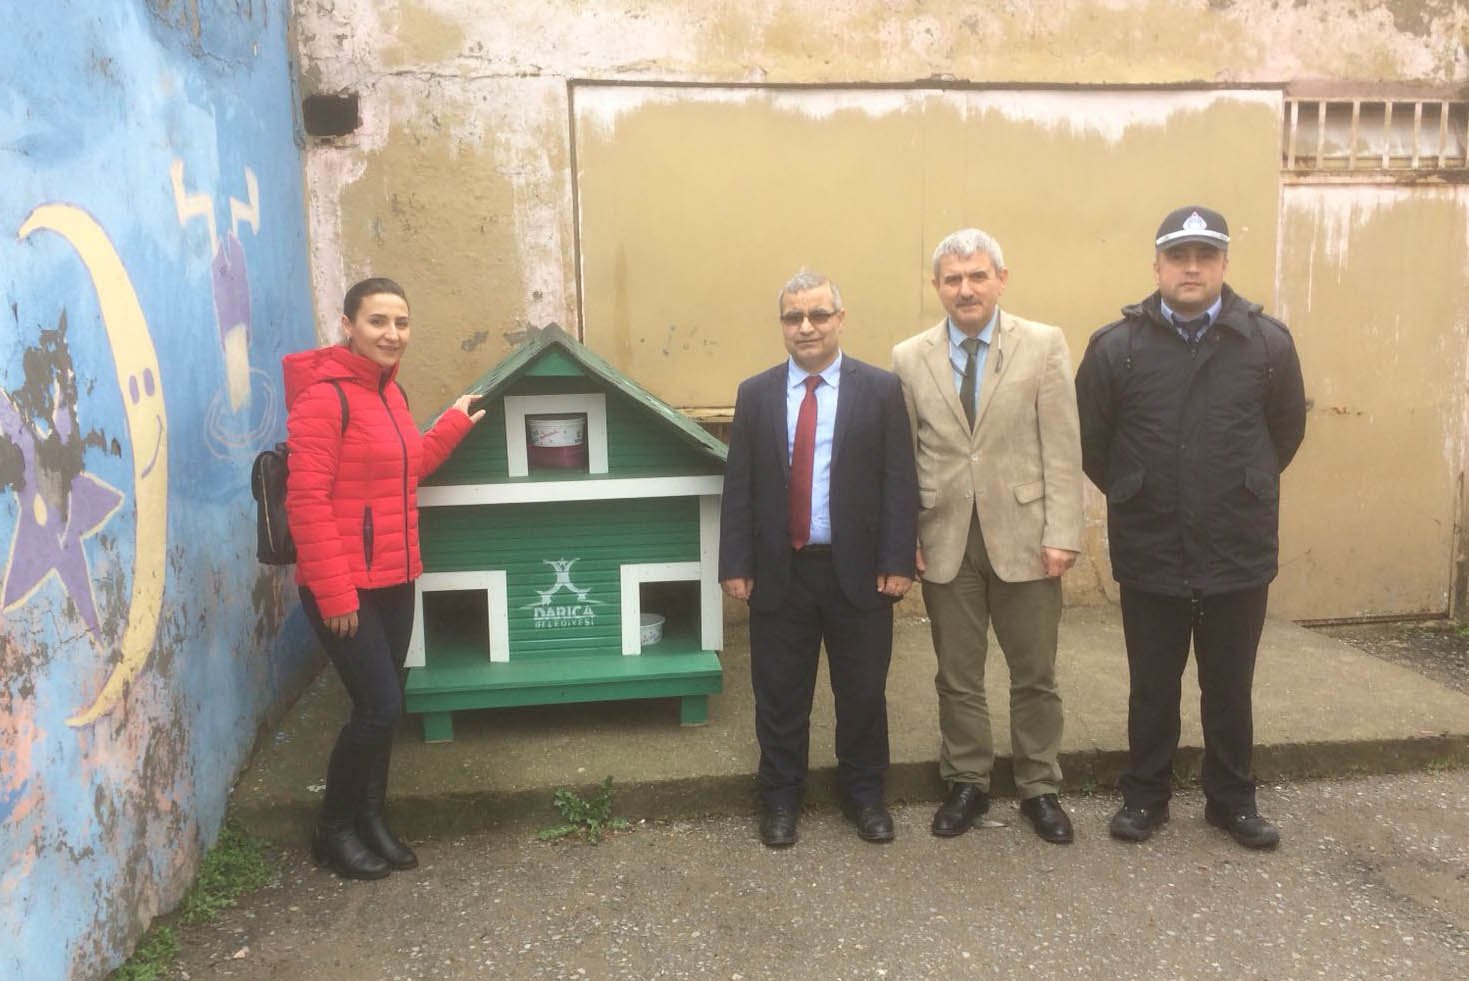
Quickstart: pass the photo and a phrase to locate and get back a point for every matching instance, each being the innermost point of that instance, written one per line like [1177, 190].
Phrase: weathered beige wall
[1375, 285]
[468, 183]
[462, 193]
[696, 204]
[460, 183]
[1067, 41]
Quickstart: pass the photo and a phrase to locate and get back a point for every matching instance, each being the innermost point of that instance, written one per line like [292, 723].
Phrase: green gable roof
[554, 363]
[551, 352]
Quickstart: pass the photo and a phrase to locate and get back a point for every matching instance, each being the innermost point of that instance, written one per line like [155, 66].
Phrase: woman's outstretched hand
[462, 403]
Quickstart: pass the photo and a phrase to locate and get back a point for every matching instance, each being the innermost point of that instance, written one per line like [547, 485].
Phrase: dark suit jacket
[874, 492]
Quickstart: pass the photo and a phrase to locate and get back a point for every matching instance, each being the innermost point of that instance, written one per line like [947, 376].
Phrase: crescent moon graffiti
[141, 385]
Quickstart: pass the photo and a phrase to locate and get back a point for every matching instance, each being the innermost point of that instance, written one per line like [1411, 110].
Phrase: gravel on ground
[1371, 881]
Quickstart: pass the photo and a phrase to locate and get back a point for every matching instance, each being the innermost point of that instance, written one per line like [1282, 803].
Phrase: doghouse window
[470, 606]
[457, 622]
[665, 589]
[556, 435]
[556, 441]
[677, 604]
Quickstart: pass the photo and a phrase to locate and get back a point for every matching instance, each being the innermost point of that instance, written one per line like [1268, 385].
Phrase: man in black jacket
[1191, 407]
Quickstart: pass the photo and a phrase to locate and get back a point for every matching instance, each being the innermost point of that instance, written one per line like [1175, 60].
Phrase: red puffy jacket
[352, 498]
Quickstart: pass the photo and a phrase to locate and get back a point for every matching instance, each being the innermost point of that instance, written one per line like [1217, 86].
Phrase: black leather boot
[371, 828]
[335, 843]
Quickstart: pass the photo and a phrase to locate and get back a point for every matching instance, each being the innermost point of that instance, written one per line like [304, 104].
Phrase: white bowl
[650, 629]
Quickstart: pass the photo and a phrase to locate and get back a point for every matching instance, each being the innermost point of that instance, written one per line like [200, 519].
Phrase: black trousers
[785, 648]
[1225, 632]
[370, 665]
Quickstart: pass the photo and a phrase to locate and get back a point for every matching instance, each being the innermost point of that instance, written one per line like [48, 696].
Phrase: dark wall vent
[330, 115]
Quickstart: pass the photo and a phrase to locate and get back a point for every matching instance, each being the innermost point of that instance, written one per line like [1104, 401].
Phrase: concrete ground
[1323, 708]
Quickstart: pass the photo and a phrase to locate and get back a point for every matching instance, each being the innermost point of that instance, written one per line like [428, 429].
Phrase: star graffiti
[56, 513]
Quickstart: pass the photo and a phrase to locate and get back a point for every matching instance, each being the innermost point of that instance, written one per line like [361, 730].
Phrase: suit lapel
[775, 421]
[849, 395]
[942, 370]
[1002, 353]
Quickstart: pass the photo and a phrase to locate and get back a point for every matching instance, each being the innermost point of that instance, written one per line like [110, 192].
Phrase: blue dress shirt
[826, 418]
[1212, 313]
[958, 356]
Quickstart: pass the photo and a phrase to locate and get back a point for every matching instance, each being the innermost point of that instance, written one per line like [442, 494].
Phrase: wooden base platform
[459, 677]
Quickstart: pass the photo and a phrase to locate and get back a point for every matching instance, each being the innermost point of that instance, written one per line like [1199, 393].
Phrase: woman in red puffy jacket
[351, 499]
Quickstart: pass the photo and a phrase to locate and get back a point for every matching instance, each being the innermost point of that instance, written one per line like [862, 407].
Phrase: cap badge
[1195, 223]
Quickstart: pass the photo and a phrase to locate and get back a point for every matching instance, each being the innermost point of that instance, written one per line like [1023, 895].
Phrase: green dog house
[579, 507]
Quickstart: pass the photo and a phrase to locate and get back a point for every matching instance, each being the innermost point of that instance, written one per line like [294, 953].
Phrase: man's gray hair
[966, 242]
[803, 281]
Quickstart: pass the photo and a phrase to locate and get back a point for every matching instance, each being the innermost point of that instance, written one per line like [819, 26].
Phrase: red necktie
[803, 455]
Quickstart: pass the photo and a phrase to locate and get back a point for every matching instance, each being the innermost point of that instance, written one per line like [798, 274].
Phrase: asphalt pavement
[1363, 762]
[1369, 882]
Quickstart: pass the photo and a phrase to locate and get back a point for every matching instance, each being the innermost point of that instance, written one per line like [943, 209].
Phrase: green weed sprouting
[590, 818]
[234, 866]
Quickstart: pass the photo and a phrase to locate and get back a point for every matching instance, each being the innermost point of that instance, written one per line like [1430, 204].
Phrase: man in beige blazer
[993, 410]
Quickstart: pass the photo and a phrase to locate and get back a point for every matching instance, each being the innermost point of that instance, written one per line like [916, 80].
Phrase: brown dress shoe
[957, 814]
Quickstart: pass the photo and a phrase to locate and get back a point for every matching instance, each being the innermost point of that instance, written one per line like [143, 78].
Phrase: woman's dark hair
[369, 287]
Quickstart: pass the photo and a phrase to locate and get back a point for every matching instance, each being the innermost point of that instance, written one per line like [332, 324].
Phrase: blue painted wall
[152, 272]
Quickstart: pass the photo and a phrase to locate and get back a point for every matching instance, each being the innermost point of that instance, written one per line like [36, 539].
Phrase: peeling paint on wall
[677, 288]
[1062, 41]
[492, 77]
[491, 174]
[1373, 283]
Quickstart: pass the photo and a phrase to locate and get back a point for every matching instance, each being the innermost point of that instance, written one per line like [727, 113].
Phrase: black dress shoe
[1138, 823]
[778, 827]
[1246, 827]
[957, 814]
[1048, 818]
[873, 821]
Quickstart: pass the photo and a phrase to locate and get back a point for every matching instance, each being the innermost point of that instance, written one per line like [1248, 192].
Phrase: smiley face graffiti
[141, 383]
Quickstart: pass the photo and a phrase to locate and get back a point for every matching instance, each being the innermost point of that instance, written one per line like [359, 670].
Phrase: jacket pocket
[1265, 486]
[1032, 491]
[367, 536]
[927, 498]
[1126, 487]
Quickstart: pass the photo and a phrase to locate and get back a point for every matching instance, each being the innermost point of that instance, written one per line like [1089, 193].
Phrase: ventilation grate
[1373, 136]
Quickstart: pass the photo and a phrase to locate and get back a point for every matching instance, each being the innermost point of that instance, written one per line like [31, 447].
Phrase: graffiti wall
[152, 272]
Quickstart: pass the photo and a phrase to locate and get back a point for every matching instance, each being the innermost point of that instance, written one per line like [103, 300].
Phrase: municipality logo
[554, 610]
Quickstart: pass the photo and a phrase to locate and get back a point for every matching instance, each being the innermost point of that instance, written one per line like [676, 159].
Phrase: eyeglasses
[818, 318]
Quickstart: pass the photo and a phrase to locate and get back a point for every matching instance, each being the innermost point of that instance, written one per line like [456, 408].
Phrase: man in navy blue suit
[818, 534]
